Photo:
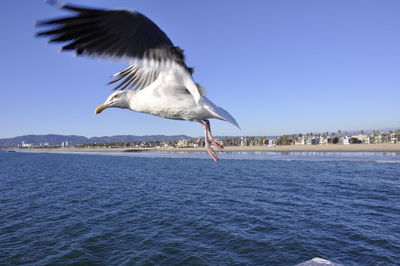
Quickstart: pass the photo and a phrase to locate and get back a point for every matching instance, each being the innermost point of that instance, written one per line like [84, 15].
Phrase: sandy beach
[286, 148]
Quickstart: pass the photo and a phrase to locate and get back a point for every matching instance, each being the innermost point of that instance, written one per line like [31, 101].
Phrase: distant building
[26, 145]
[394, 138]
[378, 139]
[198, 143]
[271, 142]
[312, 141]
[243, 141]
[182, 143]
[323, 140]
[64, 144]
[345, 140]
[300, 141]
[362, 138]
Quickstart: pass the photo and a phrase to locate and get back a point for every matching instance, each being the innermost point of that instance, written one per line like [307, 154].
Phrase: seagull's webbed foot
[216, 143]
[211, 152]
[208, 139]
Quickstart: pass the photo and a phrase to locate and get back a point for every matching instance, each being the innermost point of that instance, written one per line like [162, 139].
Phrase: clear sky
[277, 66]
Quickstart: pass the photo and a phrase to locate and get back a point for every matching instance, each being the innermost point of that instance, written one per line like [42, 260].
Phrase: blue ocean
[183, 209]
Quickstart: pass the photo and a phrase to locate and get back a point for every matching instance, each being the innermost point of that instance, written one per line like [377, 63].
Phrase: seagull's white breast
[169, 100]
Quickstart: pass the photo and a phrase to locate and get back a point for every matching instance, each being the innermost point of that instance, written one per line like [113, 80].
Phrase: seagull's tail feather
[219, 112]
[226, 116]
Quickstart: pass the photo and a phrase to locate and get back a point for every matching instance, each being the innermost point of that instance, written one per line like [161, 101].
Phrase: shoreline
[285, 148]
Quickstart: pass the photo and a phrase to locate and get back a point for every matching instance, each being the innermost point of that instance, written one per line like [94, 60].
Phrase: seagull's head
[117, 99]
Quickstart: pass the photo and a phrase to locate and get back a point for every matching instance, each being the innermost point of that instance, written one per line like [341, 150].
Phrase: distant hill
[53, 139]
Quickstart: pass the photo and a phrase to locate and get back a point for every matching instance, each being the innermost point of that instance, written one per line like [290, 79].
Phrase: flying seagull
[157, 80]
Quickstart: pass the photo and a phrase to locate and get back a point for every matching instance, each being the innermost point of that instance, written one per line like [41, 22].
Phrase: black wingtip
[43, 23]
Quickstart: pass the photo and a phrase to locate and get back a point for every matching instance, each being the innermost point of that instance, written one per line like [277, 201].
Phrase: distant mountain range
[53, 139]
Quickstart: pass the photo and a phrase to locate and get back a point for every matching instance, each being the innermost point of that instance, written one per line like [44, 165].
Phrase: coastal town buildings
[339, 138]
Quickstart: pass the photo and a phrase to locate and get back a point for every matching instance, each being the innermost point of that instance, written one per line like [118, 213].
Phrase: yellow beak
[101, 108]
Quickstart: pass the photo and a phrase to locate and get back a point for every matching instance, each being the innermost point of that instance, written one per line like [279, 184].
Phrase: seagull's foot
[217, 144]
[212, 153]
[208, 138]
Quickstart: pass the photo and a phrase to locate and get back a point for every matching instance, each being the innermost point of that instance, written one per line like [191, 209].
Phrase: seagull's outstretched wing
[120, 34]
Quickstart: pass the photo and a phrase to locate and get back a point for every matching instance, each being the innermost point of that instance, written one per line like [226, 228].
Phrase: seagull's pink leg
[208, 144]
[211, 137]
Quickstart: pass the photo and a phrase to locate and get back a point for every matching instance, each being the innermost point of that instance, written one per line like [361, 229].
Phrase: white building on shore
[26, 145]
[64, 144]
[345, 140]
[394, 138]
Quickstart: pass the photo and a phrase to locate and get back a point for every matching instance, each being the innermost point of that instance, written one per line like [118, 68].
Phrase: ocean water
[184, 209]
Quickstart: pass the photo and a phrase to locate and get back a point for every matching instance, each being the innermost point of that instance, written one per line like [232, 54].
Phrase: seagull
[157, 80]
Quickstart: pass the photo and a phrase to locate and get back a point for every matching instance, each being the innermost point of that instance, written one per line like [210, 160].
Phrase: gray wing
[119, 34]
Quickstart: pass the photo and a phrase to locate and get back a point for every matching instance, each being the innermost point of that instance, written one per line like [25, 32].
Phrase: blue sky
[277, 66]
